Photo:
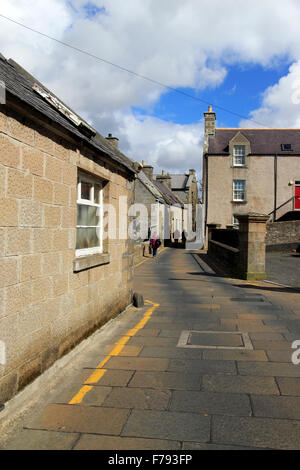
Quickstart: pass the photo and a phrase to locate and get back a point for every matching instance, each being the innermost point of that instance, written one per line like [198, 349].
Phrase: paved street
[206, 364]
[284, 268]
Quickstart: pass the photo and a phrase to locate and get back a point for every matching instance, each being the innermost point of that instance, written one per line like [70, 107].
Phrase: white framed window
[235, 222]
[89, 226]
[239, 155]
[239, 190]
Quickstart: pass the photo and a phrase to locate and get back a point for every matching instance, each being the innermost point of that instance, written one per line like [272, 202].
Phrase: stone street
[205, 364]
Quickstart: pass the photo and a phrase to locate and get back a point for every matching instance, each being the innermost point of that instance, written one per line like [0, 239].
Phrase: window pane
[239, 190]
[86, 190]
[88, 215]
[87, 238]
[239, 150]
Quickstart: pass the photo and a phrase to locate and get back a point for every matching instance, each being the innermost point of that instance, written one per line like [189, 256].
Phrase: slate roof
[150, 186]
[180, 181]
[19, 83]
[262, 141]
[168, 195]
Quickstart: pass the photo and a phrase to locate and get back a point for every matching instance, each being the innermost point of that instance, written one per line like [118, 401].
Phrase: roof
[19, 83]
[262, 141]
[180, 181]
[168, 194]
[150, 186]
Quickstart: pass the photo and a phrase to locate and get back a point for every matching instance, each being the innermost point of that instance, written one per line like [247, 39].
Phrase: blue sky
[240, 55]
[241, 92]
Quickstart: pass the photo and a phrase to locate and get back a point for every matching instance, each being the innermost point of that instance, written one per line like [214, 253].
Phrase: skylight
[286, 147]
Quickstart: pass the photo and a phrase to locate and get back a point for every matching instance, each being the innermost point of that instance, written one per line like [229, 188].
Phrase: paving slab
[211, 403]
[115, 378]
[136, 398]
[166, 380]
[137, 363]
[276, 407]
[96, 442]
[289, 386]
[202, 367]
[80, 419]
[268, 369]
[240, 384]
[168, 425]
[30, 439]
[171, 353]
[234, 355]
[256, 432]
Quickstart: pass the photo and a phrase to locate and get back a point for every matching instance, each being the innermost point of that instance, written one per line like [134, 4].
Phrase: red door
[297, 197]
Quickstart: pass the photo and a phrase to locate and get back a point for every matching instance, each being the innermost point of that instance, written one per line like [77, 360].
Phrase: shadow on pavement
[291, 290]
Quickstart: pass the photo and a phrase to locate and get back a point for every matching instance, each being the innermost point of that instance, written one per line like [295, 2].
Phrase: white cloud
[165, 145]
[281, 103]
[182, 44]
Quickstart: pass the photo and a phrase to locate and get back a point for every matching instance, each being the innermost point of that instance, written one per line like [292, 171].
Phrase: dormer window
[286, 147]
[239, 155]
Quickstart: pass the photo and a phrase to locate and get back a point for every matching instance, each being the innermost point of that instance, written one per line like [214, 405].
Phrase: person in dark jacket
[155, 244]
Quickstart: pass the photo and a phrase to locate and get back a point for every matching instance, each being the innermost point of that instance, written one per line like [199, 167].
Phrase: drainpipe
[275, 186]
[206, 196]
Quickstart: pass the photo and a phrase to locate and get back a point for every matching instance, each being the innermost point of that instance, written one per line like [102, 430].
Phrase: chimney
[164, 179]
[209, 127]
[148, 170]
[210, 121]
[113, 140]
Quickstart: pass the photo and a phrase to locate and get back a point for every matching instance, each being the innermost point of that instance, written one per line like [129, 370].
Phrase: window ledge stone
[90, 261]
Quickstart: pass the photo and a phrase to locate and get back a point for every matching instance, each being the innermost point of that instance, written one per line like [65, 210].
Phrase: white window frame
[236, 191]
[93, 181]
[239, 155]
[235, 222]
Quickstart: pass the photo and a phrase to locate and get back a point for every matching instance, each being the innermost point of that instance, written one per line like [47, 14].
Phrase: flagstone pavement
[205, 364]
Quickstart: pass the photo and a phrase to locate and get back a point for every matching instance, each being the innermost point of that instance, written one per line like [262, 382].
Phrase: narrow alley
[206, 364]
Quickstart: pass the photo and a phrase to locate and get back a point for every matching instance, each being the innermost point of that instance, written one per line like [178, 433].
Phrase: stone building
[185, 187]
[150, 202]
[174, 222]
[61, 276]
[250, 170]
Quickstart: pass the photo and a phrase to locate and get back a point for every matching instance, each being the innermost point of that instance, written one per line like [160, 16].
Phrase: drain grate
[214, 340]
[247, 299]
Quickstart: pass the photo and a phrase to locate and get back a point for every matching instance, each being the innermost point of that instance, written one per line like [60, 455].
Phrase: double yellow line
[120, 344]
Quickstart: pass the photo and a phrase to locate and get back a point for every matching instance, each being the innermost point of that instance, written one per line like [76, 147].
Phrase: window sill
[239, 202]
[90, 261]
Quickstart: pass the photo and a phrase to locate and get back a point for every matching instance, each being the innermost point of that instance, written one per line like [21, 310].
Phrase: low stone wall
[226, 256]
[229, 237]
[283, 235]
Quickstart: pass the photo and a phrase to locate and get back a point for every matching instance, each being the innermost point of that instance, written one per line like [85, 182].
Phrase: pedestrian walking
[155, 244]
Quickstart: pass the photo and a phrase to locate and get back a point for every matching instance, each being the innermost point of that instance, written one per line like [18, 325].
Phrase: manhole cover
[214, 340]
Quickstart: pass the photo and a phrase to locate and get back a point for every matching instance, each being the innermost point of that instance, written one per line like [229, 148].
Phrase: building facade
[61, 275]
[250, 170]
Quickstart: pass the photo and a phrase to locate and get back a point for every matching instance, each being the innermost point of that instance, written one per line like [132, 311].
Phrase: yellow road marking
[80, 395]
[99, 371]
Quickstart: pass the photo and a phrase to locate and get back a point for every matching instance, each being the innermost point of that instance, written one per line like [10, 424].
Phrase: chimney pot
[114, 140]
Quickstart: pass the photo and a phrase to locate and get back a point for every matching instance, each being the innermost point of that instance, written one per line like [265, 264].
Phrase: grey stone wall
[283, 235]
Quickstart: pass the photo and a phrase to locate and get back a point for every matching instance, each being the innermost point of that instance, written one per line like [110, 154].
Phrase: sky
[240, 56]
